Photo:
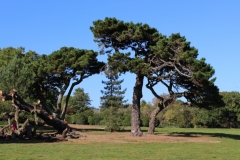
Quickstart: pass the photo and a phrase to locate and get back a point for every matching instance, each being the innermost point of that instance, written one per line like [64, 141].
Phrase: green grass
[227, 149]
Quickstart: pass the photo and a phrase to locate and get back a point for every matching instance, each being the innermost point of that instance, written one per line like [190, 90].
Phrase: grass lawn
[167, 144]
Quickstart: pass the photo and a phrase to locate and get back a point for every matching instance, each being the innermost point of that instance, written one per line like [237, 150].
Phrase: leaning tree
[174, 64]
[67, 68]
[116, 38]
[52, 76]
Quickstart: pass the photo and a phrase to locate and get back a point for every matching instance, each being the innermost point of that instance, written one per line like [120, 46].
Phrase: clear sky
[213, 27]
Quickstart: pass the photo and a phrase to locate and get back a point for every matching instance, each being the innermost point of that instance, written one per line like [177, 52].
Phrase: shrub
[70, 118]
[144, 121]
[127, 120]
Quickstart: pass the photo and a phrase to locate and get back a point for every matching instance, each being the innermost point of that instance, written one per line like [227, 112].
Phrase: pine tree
[112, 100]
[113, 96]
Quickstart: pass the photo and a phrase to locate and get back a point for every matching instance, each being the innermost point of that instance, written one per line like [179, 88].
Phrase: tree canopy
[174, 64]
[66, 65]
[116, 38]
[167, 60]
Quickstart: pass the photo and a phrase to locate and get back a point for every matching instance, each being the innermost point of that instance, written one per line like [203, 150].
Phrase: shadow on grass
[196, 134]
[101, 129]
[26, 141]
[95, 130]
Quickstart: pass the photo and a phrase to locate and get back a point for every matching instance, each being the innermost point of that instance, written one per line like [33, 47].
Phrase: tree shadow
[102, 129]
[196, 134]
[25, 141]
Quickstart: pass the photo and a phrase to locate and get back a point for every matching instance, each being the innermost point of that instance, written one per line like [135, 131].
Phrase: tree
[112, 100]
[113, 96]
[7, 54]
[17, 72]
[116, 38]
[174, 64]
[52, 75]
[231, 108]
[66, 65]
[80, 101]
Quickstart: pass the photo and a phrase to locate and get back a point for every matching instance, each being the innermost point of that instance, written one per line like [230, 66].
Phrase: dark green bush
[144, 121]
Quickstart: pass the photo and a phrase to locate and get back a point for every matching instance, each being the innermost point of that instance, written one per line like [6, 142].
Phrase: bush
[177, 115]
[127, 120]
[70, 118]
[82, 117]
[144, 121]
[112, 119]
[95, 119]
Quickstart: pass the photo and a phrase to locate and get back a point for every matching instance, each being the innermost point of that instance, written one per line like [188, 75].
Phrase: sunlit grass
[227, 148]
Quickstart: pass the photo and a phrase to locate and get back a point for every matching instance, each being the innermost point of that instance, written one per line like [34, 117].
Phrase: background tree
[116, 38]
[79, 101]
[7, 54]
[112, 93]
[174, 64]
[231, 109]
[17, 73]
[112, 100]
[146, 109]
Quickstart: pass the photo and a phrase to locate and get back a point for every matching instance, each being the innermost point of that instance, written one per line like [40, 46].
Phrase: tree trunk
[68, 96]
[58, 124]
[137, 95]
[153, 116]
[60, 97]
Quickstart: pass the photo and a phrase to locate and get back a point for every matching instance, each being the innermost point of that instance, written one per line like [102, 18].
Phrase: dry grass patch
[125, 137]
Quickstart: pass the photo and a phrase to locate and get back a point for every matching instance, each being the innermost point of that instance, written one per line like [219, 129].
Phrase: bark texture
[152, 121]
[18, 102]
[137, 95]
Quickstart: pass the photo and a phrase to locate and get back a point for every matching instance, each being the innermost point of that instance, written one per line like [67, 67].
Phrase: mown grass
[228, 148]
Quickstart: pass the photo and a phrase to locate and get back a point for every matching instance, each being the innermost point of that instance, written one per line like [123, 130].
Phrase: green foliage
[7, 54]
[175, 65]
[146, 108]
[82, 117]
[112, 101]
[23, 116]
[144, 121]
[95, 119]
[70, 118]
[6, 107]
[207, 118]
[177, 115]
[231, 109]
[127, 120]
[66, 65]
[112, 119]
[18, 72]
[112, 93]
[79, 101]
[115, 36]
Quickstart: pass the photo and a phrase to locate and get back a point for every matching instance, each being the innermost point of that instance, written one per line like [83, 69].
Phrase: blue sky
[213, 27]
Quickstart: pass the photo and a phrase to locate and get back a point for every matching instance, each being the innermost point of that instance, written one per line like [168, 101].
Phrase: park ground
[166, 144]
[125, 137]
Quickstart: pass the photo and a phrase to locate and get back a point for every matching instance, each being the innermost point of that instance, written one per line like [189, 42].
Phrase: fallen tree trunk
[50, 119]
[3, 132]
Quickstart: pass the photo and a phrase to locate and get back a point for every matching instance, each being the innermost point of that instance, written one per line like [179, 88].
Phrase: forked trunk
[137, 95]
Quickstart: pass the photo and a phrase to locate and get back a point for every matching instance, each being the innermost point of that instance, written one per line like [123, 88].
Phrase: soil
[125, 137]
